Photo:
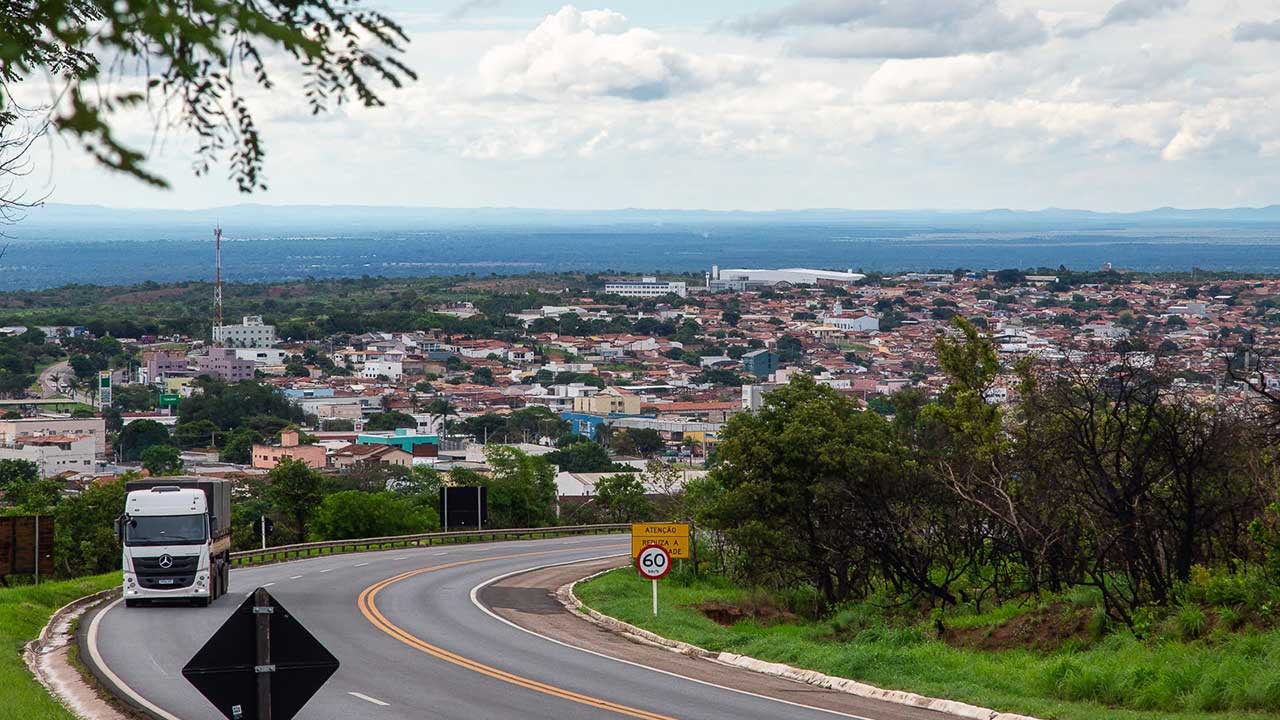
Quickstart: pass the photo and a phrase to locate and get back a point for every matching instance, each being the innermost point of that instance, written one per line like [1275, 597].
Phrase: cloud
[597, 53]
[469, 7]
[1255, 31]
[898, 29]
[1132, 11]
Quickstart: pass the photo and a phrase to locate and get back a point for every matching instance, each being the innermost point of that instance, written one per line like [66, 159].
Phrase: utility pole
[263, 668]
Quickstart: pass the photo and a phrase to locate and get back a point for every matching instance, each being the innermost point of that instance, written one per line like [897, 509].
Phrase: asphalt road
[413, 644]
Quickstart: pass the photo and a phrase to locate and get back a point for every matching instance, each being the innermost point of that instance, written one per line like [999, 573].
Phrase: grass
[24, 610]
[1220, 676]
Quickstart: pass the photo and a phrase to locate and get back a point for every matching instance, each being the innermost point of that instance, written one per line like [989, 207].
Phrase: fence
[281, 553]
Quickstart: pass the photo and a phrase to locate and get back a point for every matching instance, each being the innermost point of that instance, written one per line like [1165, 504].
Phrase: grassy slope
[1237, 671]
[23, 612]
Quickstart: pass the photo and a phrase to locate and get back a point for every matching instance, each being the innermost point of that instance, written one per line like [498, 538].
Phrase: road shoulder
[530, 601]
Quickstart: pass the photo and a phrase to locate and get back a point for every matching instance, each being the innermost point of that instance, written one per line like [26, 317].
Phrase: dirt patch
[1046, 629]
[727, 614]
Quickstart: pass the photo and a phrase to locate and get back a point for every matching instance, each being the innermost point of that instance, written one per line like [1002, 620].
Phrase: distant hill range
[354, 218]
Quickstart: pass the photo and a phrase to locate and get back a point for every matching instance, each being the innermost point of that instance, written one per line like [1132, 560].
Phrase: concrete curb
[570, 601]
[47, 657]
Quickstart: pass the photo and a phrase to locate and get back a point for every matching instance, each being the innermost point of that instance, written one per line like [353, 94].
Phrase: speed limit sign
[653, 562]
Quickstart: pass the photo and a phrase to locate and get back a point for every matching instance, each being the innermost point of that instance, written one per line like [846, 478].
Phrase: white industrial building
[52, 454]
[746, 278]
[251, 333]
[649, 287]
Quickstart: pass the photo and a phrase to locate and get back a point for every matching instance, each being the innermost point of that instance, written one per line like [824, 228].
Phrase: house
[610, 401]
[265, 457]
[357, 454]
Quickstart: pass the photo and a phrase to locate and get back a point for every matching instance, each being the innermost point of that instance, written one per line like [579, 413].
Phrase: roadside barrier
[280, 553]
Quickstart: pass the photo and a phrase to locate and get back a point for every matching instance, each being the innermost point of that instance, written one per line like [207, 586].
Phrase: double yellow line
[368, 607]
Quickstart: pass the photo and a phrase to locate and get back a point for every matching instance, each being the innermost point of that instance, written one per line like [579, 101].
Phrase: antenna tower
[217, 285]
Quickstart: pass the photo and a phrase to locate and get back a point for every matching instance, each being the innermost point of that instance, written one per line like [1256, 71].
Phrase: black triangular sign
[224, 670]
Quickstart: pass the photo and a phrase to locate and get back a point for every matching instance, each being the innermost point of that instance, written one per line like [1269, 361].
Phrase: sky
[1104, 105]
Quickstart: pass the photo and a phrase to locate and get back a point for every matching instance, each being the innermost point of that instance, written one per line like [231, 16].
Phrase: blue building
[761, 363]
[403, 438]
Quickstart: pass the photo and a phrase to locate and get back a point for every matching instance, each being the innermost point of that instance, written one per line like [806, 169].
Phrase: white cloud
[596, 53]
[921, 111]
[898, 29]
[1200, 128]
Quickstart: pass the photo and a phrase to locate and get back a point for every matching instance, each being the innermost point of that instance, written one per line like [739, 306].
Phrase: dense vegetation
[1116, 541]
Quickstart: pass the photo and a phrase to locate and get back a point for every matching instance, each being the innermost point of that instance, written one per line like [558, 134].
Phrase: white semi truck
[176, 533]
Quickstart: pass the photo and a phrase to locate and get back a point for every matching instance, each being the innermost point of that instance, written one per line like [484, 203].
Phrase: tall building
[251, 333]
[222, 363]
[159, 365]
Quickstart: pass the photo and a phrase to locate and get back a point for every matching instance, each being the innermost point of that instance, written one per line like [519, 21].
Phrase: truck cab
[173, 547]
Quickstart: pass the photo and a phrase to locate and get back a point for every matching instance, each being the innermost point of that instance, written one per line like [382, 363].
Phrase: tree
[84, 540]
[622, 498]
[522, 488]
[162, 460]
[818, 491]
[192, 67]
[582, 456]
[139, 435]
[482, 376]
[637, 441]
[21, 487]
[199, 433]
[238, 447]
[390, 421]
[296, 491]
[355, 514]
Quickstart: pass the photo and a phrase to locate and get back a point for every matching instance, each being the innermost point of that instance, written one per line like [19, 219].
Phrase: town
[647, 370]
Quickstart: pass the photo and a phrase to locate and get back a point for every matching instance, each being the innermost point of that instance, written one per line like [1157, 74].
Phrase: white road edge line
[361, 564]
[366, 698]
[268, 584]
[475, 600]
[327, 570]
[115, 679]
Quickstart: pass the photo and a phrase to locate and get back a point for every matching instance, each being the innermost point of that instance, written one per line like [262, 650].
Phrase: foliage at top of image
[193, 61]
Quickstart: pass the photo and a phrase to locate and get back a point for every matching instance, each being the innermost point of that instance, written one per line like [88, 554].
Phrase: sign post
[674, 537]
[654, 563]
[261, 664]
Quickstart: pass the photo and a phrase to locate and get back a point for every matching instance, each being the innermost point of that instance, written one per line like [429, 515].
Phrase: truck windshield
[165, 530]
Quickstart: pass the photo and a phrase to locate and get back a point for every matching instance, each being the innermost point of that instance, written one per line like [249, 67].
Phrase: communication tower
[217, 285]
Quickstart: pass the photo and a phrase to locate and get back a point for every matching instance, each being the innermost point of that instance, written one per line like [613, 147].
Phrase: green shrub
[1191, 622]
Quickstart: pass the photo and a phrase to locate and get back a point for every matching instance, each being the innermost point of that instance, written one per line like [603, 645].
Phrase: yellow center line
[369, 609]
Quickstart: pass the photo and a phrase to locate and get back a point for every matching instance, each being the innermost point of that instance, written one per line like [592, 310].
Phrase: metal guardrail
[281, 553]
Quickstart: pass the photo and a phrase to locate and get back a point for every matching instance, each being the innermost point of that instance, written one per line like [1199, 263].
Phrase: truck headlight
[202, 579]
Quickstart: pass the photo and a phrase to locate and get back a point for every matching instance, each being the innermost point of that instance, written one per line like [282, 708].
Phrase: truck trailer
[176, 534]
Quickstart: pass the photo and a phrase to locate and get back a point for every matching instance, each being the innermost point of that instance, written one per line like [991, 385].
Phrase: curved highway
[414, 643]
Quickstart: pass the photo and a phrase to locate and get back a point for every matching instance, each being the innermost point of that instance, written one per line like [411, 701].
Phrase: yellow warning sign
[673, 537]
